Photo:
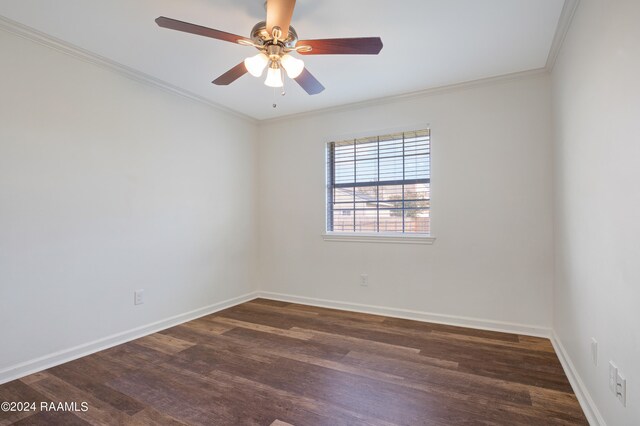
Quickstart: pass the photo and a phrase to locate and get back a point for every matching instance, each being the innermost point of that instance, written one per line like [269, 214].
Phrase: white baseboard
[505, 327]
[584, 398]
[33, 366]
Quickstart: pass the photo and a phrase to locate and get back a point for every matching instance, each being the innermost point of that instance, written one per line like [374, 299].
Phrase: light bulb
[256, 64]
[293, 66]
[274, 77]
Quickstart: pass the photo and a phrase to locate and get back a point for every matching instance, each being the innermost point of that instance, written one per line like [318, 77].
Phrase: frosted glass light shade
[256, 64]
[274, 77]
[293, 66]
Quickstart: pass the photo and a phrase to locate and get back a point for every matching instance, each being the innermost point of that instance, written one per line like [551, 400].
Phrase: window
[380, 184]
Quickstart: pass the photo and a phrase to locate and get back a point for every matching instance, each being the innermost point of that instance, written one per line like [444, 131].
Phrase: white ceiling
[427, 43]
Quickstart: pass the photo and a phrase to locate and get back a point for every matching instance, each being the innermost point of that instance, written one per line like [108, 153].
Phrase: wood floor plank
[19, 391]
[519, 374]
[290, 309]
[280, 423]
[346, 368]
[521, 344]
[60, 391]
[263, 315]
[270, 302]
[561, 405]
[467, 391]
[427, 326]
[231, 399]
[339, 326]
[373, 398]
[415, 337]
[335, 313]
[131, 356]
[208, 325]
[451, 380]
[33, 378]
[233, 362]
[283, 343]
[49, 418]
[163, 343]
[149, 416]
[270, 362]
[182, 397]
[89, 375]
[349, 343]
[536, 343]
[295, 334]
[291, 407]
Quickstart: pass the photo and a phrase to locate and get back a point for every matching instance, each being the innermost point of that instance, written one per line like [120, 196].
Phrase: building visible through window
[380, 184]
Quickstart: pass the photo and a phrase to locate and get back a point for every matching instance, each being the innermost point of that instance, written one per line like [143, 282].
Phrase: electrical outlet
[138, 297]
[594, 351]
[621, 389]
[364, 280]
[617, 383]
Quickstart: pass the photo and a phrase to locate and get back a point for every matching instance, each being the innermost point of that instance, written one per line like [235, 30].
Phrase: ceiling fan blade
[279, 13]
[186, 27]
[232, 75]
[308, 82]
[342, 46]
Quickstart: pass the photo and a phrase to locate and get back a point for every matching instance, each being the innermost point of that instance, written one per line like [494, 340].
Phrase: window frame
[382, 237]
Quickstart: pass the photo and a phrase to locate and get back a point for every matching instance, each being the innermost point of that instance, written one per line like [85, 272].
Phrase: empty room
[320, 212]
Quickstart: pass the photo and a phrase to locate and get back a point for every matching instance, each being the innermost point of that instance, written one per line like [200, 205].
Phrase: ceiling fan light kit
[276, 40]
[275, 56]
[293, 66]
[256, 64]
[274, 76]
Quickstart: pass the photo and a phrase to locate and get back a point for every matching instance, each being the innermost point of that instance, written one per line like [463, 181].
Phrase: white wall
[596, 90]
[109, 185]
[492, 213]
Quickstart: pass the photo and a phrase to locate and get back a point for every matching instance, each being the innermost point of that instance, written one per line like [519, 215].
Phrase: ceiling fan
[276, 40]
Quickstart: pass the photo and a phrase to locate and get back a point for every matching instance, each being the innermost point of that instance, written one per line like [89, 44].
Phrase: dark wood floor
[267, 362]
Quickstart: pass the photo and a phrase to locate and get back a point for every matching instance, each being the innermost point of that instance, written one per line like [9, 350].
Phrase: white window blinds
[380, 184]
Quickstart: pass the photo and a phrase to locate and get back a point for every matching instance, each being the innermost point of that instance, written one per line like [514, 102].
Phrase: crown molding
[489, 81]
[564, 23]
[77, 52]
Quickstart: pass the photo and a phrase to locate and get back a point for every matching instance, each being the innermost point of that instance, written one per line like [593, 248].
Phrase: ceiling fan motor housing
[261, 36]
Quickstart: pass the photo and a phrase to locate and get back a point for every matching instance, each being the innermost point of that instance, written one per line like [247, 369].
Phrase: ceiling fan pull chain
[284, 92]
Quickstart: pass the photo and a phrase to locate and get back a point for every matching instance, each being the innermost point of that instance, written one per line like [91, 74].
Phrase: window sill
[377, 238]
